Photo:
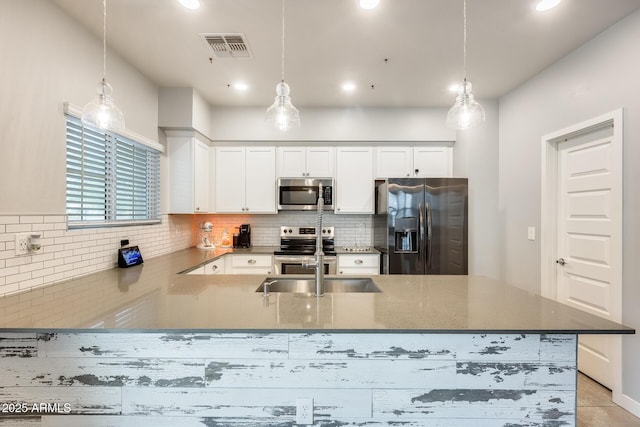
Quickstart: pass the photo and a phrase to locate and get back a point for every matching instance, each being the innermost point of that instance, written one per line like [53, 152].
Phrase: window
[111, 179]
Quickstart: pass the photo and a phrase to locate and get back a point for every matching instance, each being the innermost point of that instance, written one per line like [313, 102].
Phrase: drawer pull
[214, 267]
[251, 261]
[358, 261]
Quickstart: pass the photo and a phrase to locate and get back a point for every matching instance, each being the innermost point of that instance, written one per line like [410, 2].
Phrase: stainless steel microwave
[301, 194]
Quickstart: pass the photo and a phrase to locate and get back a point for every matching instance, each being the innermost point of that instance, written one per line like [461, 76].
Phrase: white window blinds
[111, 179]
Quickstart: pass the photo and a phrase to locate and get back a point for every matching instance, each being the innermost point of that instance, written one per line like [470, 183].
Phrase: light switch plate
[531, 233]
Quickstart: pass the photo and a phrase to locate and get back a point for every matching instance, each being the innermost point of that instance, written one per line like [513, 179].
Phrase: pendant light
[102, 112]
[282, 114]
[466, 112]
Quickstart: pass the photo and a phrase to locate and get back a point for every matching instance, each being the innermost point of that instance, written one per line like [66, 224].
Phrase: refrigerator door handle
[421, 231]
[428, 235]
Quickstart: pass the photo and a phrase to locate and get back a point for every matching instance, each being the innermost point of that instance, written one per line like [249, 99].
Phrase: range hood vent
[227, 46]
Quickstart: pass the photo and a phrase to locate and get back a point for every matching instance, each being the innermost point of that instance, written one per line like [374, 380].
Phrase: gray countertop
[152, 297]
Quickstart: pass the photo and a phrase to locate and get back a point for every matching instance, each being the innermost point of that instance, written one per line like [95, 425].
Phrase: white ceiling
[330, 41]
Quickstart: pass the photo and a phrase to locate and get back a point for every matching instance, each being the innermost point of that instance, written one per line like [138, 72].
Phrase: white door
[260, 180]
[230, 180]
[201, 177]
[354, 180]
[320, 162]
[291, 162]
[432, 162]
[587, 238]
[393, 162]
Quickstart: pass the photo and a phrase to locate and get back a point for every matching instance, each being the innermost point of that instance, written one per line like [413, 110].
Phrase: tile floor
[595, 408]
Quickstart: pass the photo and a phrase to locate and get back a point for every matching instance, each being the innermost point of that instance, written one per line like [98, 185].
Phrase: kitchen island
[146, 346]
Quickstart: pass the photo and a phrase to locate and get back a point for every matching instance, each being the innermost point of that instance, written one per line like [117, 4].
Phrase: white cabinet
[215, 267]
[354, 180]
[415, 162]
[245, 180]
[432, 162]
[315, 162]
[363, 264]
[394, 162]
[248, 264]
[199, 270]
[189, 170]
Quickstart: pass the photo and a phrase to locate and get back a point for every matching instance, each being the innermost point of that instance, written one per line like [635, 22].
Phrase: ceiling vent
[228, 46]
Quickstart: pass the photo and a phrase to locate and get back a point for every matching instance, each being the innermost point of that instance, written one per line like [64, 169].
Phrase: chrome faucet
[265, 287]
[318, 263]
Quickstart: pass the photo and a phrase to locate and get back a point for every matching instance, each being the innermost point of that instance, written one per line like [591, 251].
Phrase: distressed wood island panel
[254, 379]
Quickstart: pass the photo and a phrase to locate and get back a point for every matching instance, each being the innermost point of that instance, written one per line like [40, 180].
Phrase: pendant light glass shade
[102, 112]
[282, 114]
[466, 112]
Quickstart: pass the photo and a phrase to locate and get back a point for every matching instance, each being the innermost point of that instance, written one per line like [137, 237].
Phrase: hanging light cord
[104, 39]
[282, 64]
[464, 39]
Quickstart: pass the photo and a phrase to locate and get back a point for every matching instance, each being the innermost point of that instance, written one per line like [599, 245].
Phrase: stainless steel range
[298, 244]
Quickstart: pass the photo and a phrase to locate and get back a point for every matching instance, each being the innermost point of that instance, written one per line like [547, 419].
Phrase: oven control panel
[305, 232]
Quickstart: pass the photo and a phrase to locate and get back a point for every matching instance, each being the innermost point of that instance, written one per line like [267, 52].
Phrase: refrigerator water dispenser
[406, 235]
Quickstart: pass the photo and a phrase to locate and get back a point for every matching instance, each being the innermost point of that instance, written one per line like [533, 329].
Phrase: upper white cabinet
[189, 178]
[432, 162]
[416, 162]
[245, 179]
[314, 162]
[354, 180]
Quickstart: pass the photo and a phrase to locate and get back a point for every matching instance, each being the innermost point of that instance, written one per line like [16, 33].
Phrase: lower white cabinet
[248, 264]
[199, 270]
[215, 267]
[358, 264]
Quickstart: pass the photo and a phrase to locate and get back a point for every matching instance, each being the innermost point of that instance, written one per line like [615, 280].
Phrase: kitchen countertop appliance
[244, 237]
[298, 244]
[421, 225]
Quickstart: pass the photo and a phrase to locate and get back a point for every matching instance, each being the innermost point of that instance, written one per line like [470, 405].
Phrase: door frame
[549, 218]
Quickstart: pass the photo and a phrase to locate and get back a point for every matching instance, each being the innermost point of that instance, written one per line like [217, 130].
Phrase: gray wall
[47, 59]
[475, 155]
[597, 78]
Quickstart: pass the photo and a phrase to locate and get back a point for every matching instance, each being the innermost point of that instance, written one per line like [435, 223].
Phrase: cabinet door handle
[417, 171]
[197, 208]
[251, 261]
[358, 261]
[214, 267]
[341, 272]
[408, 174]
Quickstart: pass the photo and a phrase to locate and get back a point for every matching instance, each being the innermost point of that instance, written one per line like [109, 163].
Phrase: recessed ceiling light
[241, 86]
[348, 86]
[190, 4]
[547, 4]
[369, 4]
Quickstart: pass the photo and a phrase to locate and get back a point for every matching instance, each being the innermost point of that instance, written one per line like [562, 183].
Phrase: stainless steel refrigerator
[421, 225]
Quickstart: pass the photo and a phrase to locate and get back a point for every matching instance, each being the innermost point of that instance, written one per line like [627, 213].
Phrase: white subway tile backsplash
[9, 219]
[18, 228]
[68, 254]
[31, 219]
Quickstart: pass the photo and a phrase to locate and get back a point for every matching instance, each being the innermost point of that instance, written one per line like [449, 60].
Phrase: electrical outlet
[22, 243]
[304, 411]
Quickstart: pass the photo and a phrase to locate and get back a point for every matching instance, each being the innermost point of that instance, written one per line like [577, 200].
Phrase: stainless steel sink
[308, 285]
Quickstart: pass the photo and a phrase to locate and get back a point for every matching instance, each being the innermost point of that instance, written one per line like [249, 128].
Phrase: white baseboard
[627, 403]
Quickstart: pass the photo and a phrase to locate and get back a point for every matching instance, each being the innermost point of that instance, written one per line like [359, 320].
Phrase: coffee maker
[244, 236]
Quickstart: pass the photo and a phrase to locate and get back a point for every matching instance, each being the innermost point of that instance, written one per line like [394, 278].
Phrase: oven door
[292, 264]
